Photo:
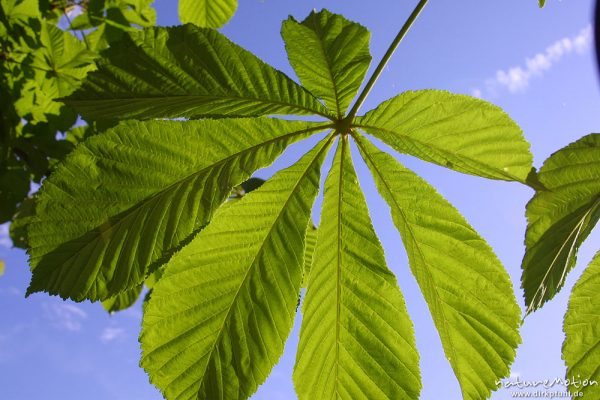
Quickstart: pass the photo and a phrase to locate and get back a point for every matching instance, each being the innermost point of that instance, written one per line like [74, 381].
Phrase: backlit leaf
[356, 339]
[218, 319]
[125, 199]
[186, 71]
[207, 13]
[330, 56]
[455, 131]
[581, 349]
[468, 292]
[560, 218]
[309, 250]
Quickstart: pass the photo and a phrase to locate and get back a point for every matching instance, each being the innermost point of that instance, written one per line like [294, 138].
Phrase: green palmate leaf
[207, 13]
[125, 199]
[468, 292]
[455, 131]
[186, 71]
[330, 56]
[62, 59]
[123, 300]
[218, 319]
[58, 66]
[581, 349]
[560, 218]
[112, 19]
[356, 340]
[309, 250]
[20, 11]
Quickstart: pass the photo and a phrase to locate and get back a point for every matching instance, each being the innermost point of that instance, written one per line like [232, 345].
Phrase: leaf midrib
[321, 41]
[136, 207]
[260, 250]
[417, 246]
[439, 149]
[84, 102]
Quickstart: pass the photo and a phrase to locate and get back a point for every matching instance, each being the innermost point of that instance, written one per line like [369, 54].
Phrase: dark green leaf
[20, 221]
[14, 186]
[123, 300]
[186, 71]
[560, 218]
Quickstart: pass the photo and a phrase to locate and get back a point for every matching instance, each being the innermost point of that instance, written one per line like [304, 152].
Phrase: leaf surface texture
[218, 319]
[560, 218]
[468, 291]
[330, 56]
[356, 339]
[207, 13]
[124, 200]
[581, 349]
[186, 71]
[455, 131]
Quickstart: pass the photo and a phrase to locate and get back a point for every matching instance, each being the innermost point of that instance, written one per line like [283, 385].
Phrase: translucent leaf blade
[125, 199]
[206, 13]
[330, 55]
[218, 319]
[356, 339]
[309, 251]
[560, 218]
[455, 131]
[581, 349]
[186, 71]
[468, 292]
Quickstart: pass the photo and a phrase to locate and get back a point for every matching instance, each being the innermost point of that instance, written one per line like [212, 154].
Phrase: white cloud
[5, 237]
[516, 79]
[65, 316]
[112, 333]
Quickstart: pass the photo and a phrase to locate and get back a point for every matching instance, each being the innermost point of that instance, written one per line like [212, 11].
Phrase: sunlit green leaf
[309, 250]
[218, 319]
[581, 349]
[455, 131]
[207, 13]
[356, 339]
[186, 71]
[330, 56]
[63, 59]
[125, 199]
[560, 218]
[20, 11]
[468, 292]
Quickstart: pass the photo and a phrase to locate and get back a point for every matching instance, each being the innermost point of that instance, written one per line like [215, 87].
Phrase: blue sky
[536, 64]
